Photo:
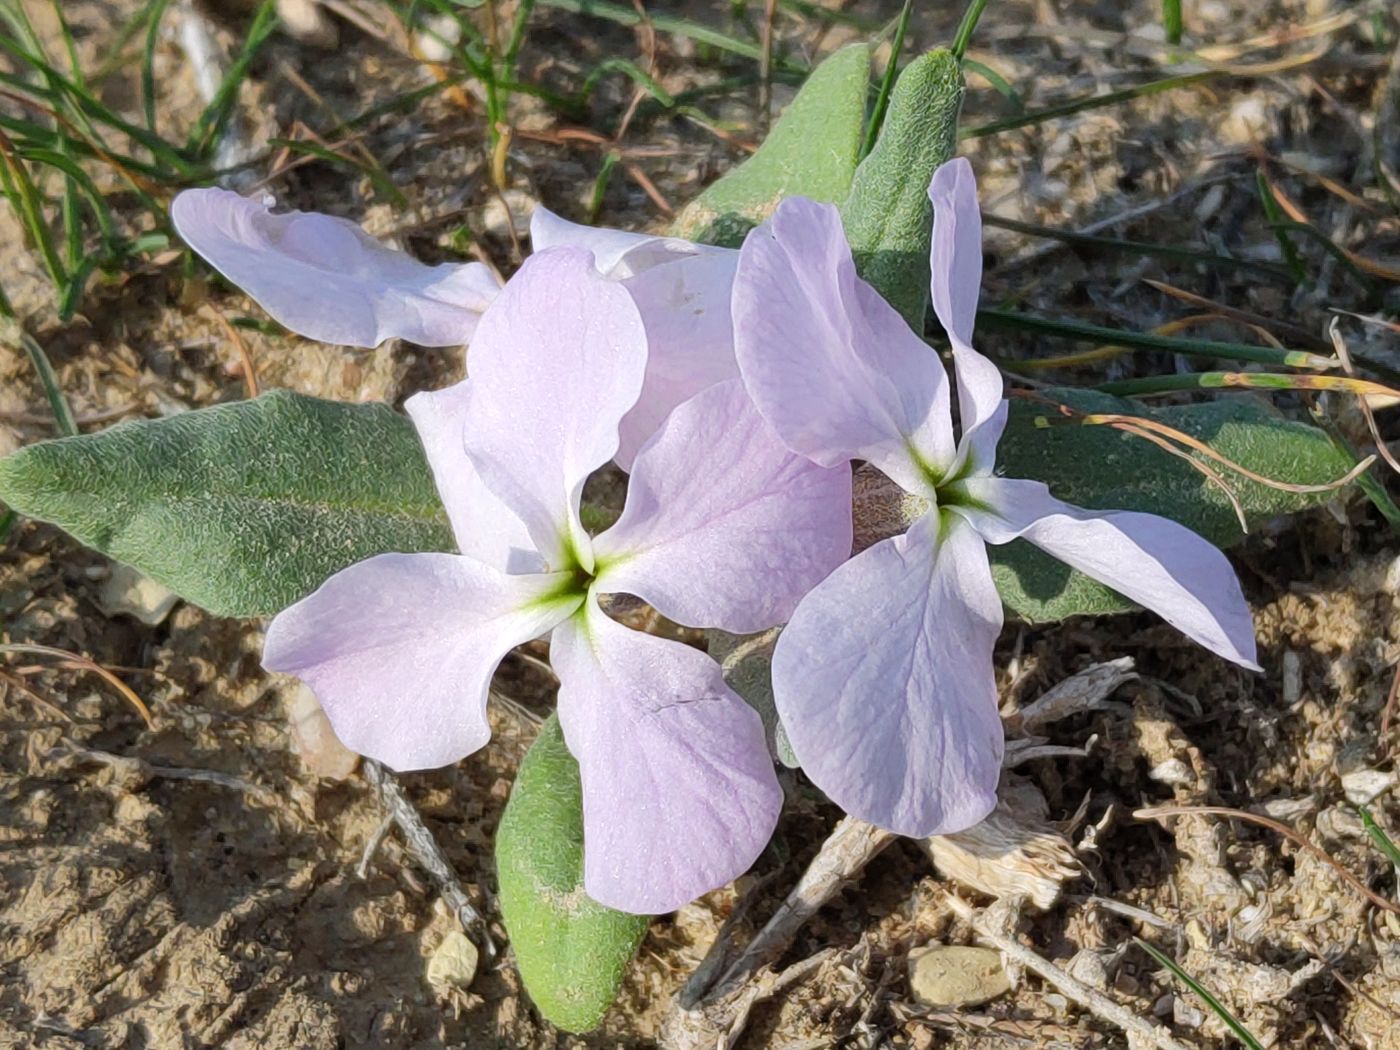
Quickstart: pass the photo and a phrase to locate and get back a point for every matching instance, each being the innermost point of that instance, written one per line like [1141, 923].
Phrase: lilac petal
[955, 259]
[400, 650]
[883, 681]
[685, 305]
[326, 279]
[609, 247]
[679, 792]
[557, 361]
[683, 291]
[724, 527]
[832, 366]
[1158, 563]
[484, 527]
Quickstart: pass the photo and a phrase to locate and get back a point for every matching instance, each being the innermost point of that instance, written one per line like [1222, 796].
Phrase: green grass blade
[966, 27]
[86, 108]
[1111, 98]
[626, 15]
[1276, 218]
[517, 36]
[1172, 21]
[600, 185]
[1230, 1021]
[1115, 244]
[210, 126]
[25, 198]
[148, 64]
[999, 83]
[13, 332]
[1379, 837]
[882, 97]
[633, 72]
[378, 177]
[1005, 319]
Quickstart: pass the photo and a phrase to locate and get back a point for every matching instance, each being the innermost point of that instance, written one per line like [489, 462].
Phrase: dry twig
[1097, 1003]
[425, 850]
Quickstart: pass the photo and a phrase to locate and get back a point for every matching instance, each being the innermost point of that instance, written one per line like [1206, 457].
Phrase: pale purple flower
[884, 677]
[326, 279]
[722, 527]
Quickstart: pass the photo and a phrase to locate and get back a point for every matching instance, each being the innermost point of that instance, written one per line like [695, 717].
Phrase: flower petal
[883, 681]
[1158, 563]
[400, 650]
[683, 291]
[609, 247]
[326, 279]
[724, 527]
[955, 259]
[679, 793]
[832, 366]
[685, 305]
[557, 361]
[485, 528]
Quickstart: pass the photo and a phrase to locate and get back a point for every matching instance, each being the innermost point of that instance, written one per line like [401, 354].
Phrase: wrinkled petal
[1156, 562]
[883, 681]
[683, 291]
[724, 527]
[400, 650]
[609, 247]
[485, 528]
[832, 366]
[557, 361]
[955, 259]
[685, 306]
[679, 793]
[326, 279]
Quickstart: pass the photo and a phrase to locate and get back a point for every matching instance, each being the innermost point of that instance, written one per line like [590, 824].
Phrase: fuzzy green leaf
[1105, 469]
[572, 951]
[810, 152]
[242, 508]
[888, 218]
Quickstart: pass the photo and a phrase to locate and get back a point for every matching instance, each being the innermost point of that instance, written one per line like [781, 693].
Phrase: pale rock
[1292, 677]
[951, 976]
[308, 22]
[1173, 771]
[1364, 786]
[128, 593]
[314, 740]
[439, 35]
[453, 963]
[509, 211]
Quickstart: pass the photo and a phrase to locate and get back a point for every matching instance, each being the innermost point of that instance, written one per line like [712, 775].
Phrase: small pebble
[453, 962]
[127, 593]
[949, 975]
[314, 740]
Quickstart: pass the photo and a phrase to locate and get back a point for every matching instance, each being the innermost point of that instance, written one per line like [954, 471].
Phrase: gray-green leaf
[1105, 469]
[242, 508]
[811, 152]
[572, 951]
[888, 218]
[746, 661]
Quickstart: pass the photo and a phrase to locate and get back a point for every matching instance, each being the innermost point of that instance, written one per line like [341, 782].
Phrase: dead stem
[706, 1015]
[81, 663]
[1096, 1003]
[425, 850]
